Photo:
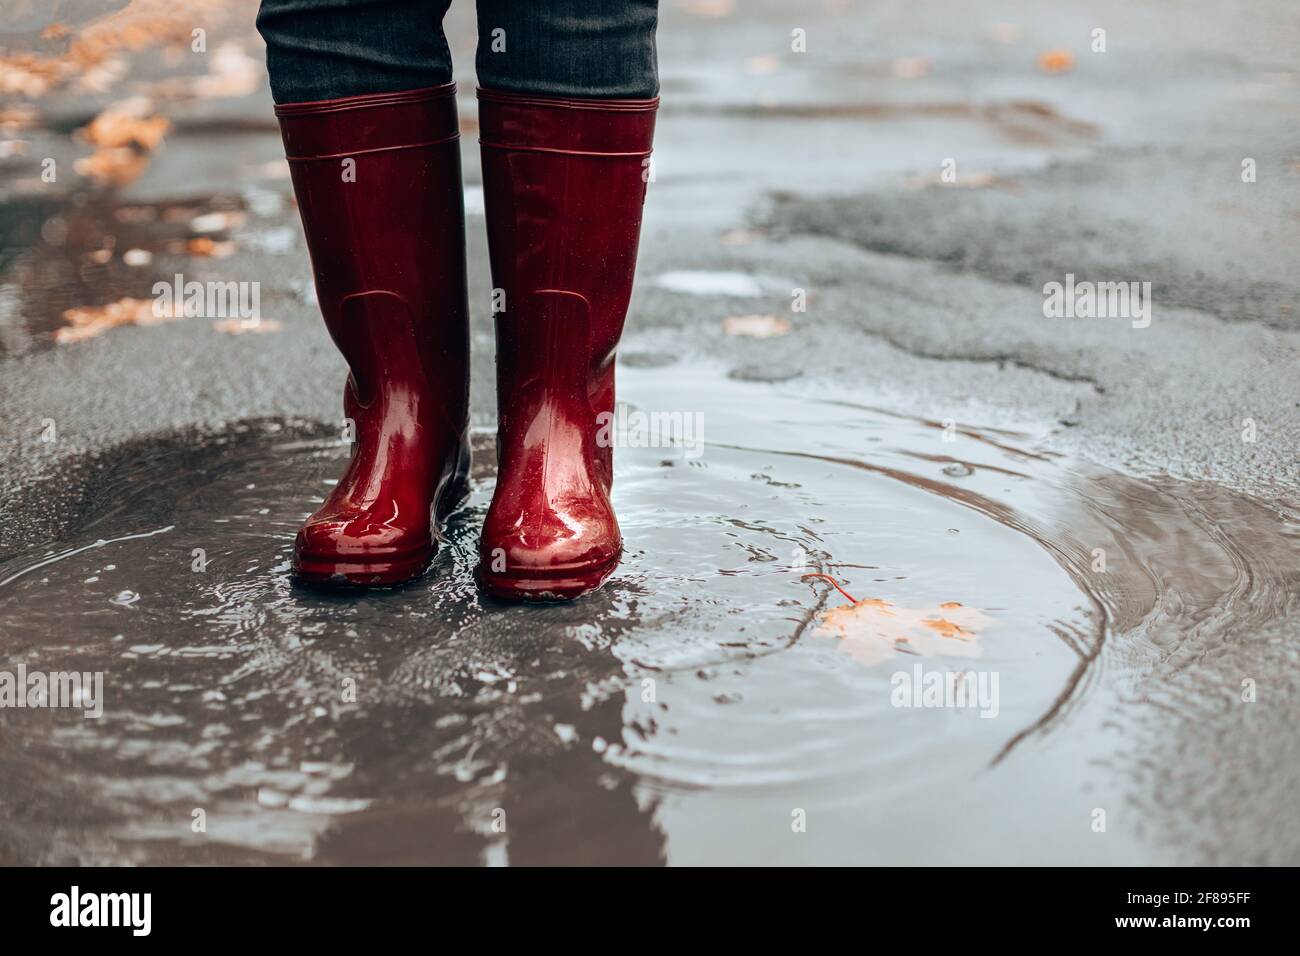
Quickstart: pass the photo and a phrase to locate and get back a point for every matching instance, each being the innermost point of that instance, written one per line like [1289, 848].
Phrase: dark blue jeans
[325, 49]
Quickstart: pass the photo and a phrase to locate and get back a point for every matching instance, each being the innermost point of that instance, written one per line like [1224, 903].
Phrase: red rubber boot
[378, 184]
[564, 181]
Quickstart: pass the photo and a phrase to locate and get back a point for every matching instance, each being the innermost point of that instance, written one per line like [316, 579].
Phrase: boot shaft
[378, 184]
[564, 185]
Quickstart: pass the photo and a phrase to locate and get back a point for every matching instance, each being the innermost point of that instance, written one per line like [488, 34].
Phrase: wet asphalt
[778, 173]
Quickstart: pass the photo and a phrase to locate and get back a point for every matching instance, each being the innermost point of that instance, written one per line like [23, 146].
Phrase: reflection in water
[684, 713]
[100, 256]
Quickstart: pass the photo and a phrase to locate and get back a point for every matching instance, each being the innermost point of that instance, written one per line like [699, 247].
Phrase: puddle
[712, 700]
[98, 253]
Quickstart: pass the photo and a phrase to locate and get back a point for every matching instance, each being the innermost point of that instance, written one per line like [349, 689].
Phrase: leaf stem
[834, 584]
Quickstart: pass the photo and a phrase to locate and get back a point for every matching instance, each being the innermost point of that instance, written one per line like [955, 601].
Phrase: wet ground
[1067, 519]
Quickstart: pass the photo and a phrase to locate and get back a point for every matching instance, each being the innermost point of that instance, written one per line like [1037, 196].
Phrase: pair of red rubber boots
[379, 188]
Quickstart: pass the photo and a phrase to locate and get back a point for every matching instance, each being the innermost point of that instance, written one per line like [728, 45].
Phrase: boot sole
[392, 571]
[387, 571]
[571, 584]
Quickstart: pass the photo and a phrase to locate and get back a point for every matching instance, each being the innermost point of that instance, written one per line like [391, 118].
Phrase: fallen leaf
[93, 60]
[129, 122]
[124, 134]
[113, 167]
[1056, 61]
[26, 74]
[103, 77]
[874, 630]
[946, 628]
[14, 119]
[203, 247]
[756, 326]
[92, 321]
[240, 326]
[217, 221]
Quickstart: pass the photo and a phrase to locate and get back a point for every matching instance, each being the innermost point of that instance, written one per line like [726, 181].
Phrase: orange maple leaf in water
[875, 630]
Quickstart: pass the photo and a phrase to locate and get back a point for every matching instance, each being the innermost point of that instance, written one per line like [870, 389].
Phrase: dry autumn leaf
[874, 630]
[1056, 61]
[124, 134]
[14, 119]
[93, 58]
[241, 326]
[129, 122]
[93, 321]
[216, 221]
[755, 326]
[113, 167]
[206, 248]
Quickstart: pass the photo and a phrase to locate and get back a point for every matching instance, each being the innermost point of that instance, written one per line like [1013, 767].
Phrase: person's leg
[369, 124]
[566, 115]
[327, 49]
[591, 49]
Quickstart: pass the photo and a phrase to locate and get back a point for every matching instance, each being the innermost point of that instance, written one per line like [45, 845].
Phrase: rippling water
[701, 707]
